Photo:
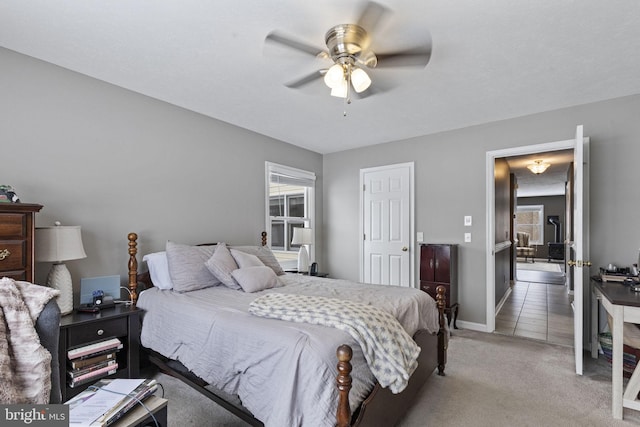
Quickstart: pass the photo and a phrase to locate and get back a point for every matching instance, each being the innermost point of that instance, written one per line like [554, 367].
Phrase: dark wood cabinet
[80, 329]
[17, 227]
[439, 267]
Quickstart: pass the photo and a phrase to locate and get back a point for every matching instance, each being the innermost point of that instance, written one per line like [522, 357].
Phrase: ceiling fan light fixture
[360, 80]
[341, 90]
[334, 76]
[538, 166]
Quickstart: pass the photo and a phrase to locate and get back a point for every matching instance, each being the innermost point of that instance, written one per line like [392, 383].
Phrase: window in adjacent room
[529, 220]
[290, 204]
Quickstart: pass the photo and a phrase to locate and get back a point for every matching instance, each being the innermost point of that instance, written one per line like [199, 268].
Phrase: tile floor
[539, 311]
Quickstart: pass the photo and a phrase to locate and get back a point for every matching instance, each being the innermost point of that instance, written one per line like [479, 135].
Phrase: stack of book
[92, 361]
[108, 400]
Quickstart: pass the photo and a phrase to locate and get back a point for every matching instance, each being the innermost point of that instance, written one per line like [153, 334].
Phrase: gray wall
[114, 161]
[450, 183]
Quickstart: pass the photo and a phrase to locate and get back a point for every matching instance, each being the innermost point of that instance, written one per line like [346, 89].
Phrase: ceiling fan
[348, 46]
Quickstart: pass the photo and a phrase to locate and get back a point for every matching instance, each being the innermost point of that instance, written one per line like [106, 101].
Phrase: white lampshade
[58, 244]
[334, 76]
[360, 80]
[302, 237]
[340, 91]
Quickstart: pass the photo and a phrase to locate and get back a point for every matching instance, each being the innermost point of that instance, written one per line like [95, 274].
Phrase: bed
[319, 374]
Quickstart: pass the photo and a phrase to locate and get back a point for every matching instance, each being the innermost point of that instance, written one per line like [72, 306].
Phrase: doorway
[538, 303]
[577, 252]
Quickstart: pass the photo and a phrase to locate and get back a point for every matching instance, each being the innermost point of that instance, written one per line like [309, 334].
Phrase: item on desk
[108, 400]
[635, 288]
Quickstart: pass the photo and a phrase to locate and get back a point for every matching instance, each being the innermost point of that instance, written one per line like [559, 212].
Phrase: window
[529, 220]
[290, 204]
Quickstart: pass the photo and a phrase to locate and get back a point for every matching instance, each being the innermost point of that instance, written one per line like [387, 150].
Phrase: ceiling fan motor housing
[346, 41]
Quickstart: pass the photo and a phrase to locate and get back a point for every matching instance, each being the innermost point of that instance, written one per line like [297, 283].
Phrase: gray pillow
[187, 269]
[254, 279]
[221, 264]
[265, 255]
[244, 259]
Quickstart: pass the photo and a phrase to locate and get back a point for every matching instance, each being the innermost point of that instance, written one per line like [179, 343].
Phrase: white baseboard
[503, 300]
[462, 324]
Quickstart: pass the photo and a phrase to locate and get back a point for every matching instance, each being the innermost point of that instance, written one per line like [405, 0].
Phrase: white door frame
[412, 244]
[490, 203]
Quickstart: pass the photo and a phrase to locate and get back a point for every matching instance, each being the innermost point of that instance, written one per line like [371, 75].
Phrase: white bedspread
[282, 372]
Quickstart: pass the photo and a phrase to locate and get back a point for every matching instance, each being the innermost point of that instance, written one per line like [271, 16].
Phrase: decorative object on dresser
[94, 346]
[17, 225]
[302, 237]
[8, 194]
[439, 267]
[58, 244]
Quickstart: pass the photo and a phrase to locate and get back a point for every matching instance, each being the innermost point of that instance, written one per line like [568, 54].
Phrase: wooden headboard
[135, 278]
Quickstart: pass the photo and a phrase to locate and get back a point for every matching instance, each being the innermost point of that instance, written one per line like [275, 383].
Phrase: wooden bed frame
[380, 408]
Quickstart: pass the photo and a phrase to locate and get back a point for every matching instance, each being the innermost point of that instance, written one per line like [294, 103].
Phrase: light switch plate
[467, 221]
[467, 237]
[420, 236]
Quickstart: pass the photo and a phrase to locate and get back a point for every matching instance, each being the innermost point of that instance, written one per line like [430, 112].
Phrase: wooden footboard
[387, 409]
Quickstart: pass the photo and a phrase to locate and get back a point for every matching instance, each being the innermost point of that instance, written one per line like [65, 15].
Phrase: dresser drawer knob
[4, 254]
[100, 332]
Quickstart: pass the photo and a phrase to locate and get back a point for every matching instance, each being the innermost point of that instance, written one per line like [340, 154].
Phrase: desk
[623, 305]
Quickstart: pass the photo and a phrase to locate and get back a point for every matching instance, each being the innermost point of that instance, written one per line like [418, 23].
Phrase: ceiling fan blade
[306, 79]
[371, 16]
[295, 44]
[417, 57]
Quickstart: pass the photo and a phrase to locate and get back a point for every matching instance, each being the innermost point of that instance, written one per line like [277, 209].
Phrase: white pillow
[159, 269]
[244, 259]
[221, 264]
[254, 279]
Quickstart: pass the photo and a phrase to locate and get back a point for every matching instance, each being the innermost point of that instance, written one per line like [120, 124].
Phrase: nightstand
[306, 273]
[81, 329]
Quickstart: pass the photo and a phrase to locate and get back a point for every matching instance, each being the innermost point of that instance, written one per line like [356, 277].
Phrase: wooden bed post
[133, 267]
[343, 416]
[442, 338]
[264, 238]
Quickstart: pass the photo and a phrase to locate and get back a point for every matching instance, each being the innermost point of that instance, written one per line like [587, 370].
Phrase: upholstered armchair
[523, 248]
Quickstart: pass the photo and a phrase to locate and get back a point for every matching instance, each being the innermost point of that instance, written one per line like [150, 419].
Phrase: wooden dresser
[17, 227]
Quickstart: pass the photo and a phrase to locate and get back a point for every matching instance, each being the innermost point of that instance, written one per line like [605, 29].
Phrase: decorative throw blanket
[390, 352]
[25, 365]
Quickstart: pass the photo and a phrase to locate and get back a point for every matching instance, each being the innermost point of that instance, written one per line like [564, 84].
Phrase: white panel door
[387, 227]
[580, 242]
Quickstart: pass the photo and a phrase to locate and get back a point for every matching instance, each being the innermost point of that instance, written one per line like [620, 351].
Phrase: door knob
[405, 249]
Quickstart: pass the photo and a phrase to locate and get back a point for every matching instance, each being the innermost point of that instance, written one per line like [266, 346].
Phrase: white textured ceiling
[492, 59]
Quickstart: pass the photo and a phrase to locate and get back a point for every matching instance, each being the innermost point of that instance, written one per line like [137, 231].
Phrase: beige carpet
[491, 380]
[539, 266]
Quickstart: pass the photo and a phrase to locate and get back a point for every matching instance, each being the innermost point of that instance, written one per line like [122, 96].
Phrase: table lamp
[58, 244]
[302, 237]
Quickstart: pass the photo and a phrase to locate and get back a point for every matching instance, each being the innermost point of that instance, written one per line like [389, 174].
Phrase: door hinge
[364, 236]
[579, 263]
